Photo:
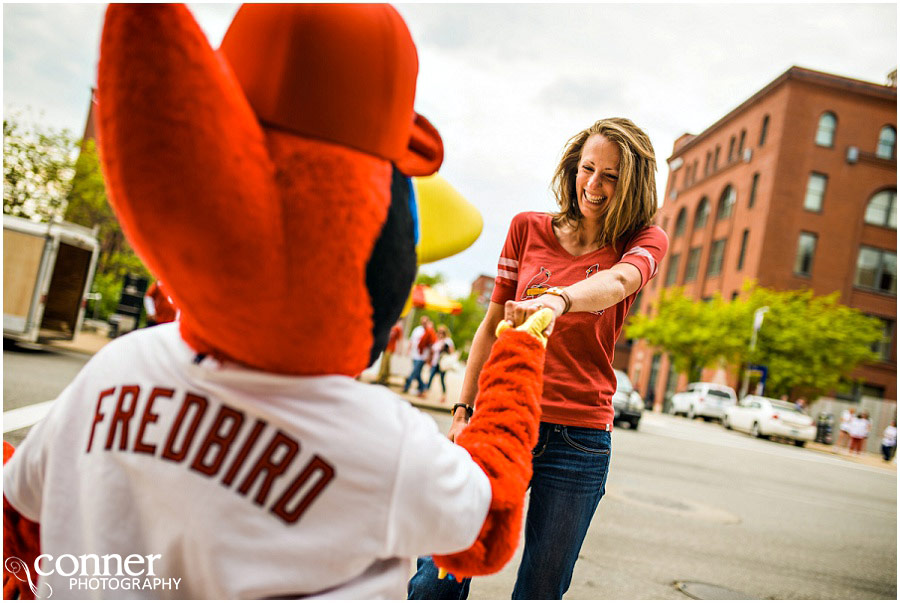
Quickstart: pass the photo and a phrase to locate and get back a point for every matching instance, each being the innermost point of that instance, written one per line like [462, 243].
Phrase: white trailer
[48, 269]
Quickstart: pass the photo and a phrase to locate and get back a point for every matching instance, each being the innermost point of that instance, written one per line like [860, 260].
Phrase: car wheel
[800, 443]
[691, 414]
[755, 432]
[726, 424]
[706, 419]
[633, 424]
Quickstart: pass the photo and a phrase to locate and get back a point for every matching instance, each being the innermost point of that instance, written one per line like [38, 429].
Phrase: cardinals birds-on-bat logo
[540, 282]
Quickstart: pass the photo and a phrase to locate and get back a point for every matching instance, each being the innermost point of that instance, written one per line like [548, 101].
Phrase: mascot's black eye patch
[392, 267]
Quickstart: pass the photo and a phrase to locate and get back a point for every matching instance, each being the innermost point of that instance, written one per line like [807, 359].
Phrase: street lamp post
[757, 323]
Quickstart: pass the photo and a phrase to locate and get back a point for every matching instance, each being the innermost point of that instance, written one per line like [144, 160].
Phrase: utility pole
[757, 323]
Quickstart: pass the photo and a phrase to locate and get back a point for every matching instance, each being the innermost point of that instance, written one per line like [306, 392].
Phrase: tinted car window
[719, 394]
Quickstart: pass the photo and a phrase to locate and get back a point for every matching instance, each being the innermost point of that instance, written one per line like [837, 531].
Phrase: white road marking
[25, 416]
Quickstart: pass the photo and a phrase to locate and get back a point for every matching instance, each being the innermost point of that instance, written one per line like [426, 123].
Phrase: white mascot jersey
[239, 483]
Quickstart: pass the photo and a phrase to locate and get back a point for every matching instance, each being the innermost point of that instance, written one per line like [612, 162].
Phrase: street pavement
[687, 503]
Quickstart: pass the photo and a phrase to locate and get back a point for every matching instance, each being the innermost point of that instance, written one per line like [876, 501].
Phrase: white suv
[707, 400]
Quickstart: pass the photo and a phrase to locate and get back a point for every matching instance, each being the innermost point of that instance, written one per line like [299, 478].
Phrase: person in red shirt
[160, 307]
[587, 263]
[384, 370]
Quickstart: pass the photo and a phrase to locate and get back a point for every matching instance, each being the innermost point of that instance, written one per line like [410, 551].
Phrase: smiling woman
[586, 263]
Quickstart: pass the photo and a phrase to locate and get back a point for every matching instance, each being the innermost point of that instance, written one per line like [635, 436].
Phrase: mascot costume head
[268, 185]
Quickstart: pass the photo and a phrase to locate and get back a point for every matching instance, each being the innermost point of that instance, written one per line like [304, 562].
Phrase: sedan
[764, 417]
[706, 400]
[627, 401]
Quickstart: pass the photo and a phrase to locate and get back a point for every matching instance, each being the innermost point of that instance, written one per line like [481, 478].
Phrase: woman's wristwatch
[468, 408]
[559, 291]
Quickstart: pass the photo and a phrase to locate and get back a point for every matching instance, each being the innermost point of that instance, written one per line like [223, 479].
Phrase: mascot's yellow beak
[448, 223]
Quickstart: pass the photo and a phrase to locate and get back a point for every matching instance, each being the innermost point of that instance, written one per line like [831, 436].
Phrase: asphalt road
[686, 502]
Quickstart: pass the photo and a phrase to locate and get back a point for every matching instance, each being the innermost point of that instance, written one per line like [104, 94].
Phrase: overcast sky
[508, 84]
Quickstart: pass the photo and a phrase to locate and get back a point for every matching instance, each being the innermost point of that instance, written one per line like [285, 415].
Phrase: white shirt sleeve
[149, 305]
[441, 496]
[23, 474]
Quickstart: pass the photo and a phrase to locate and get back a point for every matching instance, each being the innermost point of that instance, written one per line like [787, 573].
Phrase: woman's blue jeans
[570, 469]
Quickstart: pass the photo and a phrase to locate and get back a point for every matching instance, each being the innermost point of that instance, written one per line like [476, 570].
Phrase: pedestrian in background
[859, 431]
[800, 405]
[889, 441]
[441, 351]
[420, 341]
[844, 433]
[587, 263]
[384, 371]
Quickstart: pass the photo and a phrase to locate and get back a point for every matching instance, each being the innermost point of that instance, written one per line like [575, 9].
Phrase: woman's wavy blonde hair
[634, 205]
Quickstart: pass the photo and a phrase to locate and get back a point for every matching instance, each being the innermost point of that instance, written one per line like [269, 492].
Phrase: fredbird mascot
[232, 454]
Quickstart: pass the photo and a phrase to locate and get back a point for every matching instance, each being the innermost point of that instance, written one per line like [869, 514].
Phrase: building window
[887, 143]
[716, 158]
[694, 171]
[884, 347]
[882, 209]
[764, 130]
[806, 249]
[693, 264]
[744, 238]
[706, 165]
[731, 149]
[680, 222]
[815, 192]
[740, 150]
[876, 269]
[672, 272]
[726, 203]
[753, 189]
[702, 214]
[825, 131]
[716, 254]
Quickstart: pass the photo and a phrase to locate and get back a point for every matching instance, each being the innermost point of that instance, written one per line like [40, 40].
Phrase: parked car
[707, 400]
[764, 417]
[627, 401]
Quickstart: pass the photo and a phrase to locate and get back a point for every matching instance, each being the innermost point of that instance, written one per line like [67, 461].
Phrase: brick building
[795, 188]
[483, 287]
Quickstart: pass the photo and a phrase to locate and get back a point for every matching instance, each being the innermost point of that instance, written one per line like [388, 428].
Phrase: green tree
[807, 342]
[695, 334]
[38, 165]
[88, 205]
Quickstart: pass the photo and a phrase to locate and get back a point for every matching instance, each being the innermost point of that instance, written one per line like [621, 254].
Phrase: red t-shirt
[579, 382]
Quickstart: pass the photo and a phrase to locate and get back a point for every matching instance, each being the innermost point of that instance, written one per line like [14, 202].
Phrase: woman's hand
[517, 312]
[459, 423]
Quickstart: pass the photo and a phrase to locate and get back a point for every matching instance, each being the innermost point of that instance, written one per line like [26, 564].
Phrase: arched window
[726, 202]
[825, 131]
[702, 214]
[882, 209]
[731, 149]
[680, 223]
[887, 143]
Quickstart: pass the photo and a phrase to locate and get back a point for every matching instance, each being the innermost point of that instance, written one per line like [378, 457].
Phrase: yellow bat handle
[442, 573]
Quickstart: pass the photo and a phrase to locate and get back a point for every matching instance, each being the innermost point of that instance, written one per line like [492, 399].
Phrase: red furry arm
[21, 538]
[500, 438]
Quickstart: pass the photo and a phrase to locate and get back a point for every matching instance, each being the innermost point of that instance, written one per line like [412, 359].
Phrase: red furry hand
[22, 539]
[500, 438]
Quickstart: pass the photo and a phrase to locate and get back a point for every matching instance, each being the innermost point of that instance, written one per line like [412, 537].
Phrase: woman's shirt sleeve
[646, 251]
[508, 265]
